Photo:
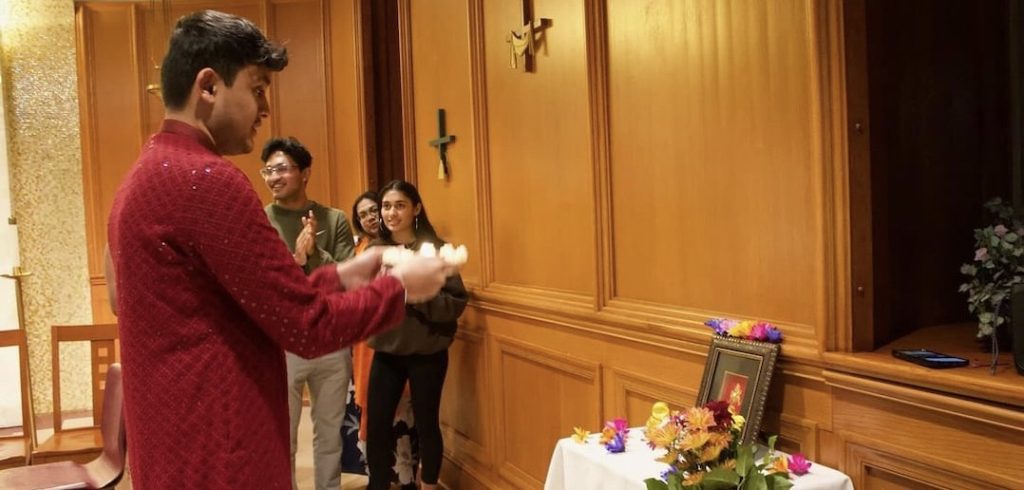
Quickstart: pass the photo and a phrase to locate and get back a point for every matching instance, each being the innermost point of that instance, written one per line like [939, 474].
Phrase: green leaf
[720, 478]
[778, 481]
[1011, 237]
[744, 459]
[655, 484]
[755, 481]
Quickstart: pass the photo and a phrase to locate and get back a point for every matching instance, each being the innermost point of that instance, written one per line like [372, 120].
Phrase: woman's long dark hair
[422, 228]
[356, 222]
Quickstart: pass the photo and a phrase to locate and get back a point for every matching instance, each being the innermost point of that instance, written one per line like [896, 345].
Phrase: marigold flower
[693, 478]
[694, 440]
[699, 418]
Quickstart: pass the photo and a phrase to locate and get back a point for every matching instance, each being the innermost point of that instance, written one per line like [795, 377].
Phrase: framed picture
[738, 372]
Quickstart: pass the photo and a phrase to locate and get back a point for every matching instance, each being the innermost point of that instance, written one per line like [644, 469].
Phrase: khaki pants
[328, 377]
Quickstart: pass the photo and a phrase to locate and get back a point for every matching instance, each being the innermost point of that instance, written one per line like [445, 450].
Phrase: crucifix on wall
[442, 146]
[524, 41]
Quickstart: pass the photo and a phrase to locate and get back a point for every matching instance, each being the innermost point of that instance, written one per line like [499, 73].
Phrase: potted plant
[997, 267]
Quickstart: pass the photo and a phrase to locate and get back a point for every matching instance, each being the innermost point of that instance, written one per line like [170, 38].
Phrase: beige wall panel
[542, 185]
[299, 92]
[714, 156]
[441, 64]
[347, 103]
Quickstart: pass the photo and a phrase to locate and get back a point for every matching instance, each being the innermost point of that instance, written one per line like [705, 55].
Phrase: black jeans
[388, 374]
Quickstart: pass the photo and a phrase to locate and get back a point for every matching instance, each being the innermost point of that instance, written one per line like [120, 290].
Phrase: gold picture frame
[739, 372]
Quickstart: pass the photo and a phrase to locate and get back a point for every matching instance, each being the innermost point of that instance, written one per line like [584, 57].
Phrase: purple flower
[717, 324]
[799, 465]
[981, 254]
[1000, 230]
[773, 335]
[617, 444]
[670, 471]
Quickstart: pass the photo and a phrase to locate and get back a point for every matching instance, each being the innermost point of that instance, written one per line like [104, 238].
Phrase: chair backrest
[112, 424]
[16, 338]
[104, 351]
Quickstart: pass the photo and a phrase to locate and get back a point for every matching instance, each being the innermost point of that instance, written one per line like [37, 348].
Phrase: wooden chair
[80, 444]
[17, 450]
[105, 471]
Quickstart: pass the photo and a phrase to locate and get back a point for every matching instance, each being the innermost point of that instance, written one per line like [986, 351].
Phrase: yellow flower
[659, 410]
[742, 329]
[729, 464]
[694, 440]
[699, 418]
[580, 435]
[779, 465]
[738, 421]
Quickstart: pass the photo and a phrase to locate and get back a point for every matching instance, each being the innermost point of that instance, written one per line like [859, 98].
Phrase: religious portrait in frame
[739, 372]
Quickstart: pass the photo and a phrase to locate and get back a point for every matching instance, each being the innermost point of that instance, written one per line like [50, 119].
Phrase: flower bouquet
[703, 452]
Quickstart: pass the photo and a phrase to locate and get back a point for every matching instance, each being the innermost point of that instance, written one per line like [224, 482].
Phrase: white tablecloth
[591, 466]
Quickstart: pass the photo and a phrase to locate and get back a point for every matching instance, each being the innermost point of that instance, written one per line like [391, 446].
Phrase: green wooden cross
[442, 145]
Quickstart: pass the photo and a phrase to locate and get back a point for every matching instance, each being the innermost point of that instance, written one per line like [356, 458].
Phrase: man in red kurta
[207, 294]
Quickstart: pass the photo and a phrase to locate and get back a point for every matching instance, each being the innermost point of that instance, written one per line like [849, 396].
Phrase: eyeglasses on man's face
[281, 168]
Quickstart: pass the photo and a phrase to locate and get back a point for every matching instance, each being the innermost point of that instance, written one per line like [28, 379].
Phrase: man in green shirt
[316, 235]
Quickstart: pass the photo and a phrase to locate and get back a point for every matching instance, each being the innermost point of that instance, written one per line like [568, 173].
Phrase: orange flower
[607, 434]
[699, 418]
[663, 436]
[694, 440]
[729, 464]
[779, 465]
[710, 453]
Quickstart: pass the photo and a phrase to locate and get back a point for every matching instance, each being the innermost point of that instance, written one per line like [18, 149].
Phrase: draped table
[591, 466]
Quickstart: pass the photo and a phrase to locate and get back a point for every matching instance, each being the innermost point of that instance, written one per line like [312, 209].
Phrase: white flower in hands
[428, 250]
[422, 277]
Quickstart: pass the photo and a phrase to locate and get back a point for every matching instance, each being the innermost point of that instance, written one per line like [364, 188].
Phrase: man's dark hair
[291, 147]
[227, 43]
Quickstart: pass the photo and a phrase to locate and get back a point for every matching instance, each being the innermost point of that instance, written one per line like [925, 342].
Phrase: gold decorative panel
[38, 53]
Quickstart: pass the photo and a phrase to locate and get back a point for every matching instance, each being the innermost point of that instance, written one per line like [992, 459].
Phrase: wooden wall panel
[110, 113]
[715, 161]
[898, 420]
[443, 79]
[299, 92]
[347, 111]
[542, 194]
[463, 412]
[570, 387]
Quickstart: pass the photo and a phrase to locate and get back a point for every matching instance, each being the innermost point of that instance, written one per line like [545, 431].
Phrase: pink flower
[798, 464]
[1000, 230]
[618, 425]
[981, 254]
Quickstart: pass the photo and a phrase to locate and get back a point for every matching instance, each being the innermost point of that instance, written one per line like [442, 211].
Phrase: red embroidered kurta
[208, 295]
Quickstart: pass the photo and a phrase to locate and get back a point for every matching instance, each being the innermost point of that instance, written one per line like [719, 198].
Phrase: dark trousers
[388, 374]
